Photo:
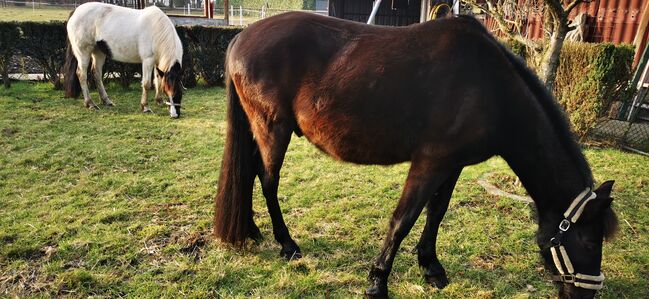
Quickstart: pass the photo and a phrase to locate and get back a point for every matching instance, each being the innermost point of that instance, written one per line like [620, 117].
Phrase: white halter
[560, 256]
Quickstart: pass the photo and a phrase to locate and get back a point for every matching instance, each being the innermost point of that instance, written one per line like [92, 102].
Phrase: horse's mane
[549, 105]
[166, 37]
[555, 114]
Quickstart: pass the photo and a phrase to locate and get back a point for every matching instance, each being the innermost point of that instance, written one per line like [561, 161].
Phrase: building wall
[359, 10]
[613, 21]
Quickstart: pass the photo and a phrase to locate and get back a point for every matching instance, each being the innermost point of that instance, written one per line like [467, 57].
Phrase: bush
[207, 47]
[45, 43]
[590, 77]
[189, 73]
[9, 36]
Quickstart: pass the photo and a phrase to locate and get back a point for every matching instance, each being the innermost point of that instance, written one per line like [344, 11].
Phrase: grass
[50, 13]
[116, 203]
[39, 13]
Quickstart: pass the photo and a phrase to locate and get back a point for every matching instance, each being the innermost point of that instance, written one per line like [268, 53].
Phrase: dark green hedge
[44, 43]
[204, 51]
[207, 46]
[9, 36]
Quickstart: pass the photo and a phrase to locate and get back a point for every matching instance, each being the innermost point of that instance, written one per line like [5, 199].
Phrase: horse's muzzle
[569, 291]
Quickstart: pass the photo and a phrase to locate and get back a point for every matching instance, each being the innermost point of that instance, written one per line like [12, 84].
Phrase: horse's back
[371, 94]
[132, 31]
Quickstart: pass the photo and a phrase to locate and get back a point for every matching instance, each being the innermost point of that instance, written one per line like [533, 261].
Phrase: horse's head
[172, 86]
[571, 244]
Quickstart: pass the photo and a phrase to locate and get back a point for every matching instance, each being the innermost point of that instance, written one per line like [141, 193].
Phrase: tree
[510, 16]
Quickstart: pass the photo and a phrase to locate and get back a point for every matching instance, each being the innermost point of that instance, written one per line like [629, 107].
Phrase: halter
[560, 256]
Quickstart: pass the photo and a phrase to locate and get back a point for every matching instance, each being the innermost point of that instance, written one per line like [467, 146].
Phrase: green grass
[49, 13]
[27, 13]
[115, 203]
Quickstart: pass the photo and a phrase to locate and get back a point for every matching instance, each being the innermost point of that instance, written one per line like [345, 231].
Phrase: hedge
[9, 36]
[45, 43]
[589, 78]
[204, 51]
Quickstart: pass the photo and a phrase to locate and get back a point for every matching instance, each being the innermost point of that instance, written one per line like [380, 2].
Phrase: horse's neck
[550, 173]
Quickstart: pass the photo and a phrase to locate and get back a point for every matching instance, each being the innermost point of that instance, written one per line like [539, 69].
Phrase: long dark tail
[233, 211]
[72, 85]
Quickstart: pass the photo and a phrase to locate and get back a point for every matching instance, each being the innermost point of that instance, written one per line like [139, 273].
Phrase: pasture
[119, 203]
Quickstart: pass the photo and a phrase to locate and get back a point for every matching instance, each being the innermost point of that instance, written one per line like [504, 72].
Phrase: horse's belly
[357, 143]
[125, 53]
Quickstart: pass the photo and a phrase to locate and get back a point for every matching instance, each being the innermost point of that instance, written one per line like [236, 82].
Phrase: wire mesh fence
[631, 135]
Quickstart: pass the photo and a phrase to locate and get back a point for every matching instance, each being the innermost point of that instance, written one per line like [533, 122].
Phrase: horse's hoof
[291, 253]
[109, 104]
[437, 281]
[255, 234]
[93, 107]
[377, 291]
[147, 110]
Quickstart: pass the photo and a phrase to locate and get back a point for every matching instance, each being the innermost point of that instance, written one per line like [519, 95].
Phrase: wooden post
[639, 36]
[226, 11]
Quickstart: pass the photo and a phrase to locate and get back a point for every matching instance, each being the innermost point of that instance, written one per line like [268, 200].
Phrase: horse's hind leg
[426, 251]
[424, 178]
[98, 60]
[82, 71]
[273, 142]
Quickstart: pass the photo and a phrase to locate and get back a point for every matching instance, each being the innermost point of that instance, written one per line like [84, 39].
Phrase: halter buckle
[564, 225]
[568, 278]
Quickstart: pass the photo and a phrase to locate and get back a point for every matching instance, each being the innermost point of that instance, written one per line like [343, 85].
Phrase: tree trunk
[5, 77]
[550, 62]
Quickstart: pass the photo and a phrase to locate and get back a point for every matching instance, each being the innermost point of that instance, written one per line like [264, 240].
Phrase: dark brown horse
[442, 95]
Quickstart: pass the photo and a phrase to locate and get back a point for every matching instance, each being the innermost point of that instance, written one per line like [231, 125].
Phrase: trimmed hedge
[204, 51]
[207, 46]
[43, 43]
[9, 36]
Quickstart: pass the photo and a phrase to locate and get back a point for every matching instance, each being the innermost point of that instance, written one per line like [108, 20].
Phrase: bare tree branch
[574, 4]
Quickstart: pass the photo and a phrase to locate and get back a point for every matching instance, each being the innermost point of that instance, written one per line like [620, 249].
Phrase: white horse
[97, 31]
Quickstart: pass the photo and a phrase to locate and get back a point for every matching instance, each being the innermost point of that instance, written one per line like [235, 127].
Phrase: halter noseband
[560, 256]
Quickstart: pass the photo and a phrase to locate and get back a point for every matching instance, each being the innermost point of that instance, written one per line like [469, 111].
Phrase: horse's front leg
[157, 83]
[434, 273]
[147, 70]
[424, 178]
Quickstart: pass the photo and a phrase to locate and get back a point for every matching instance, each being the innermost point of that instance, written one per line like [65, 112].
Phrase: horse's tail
[233, 211]
[72, 85]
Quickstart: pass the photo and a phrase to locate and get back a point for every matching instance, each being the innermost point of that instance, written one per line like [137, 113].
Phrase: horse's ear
[604, 190]
[160, 73]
